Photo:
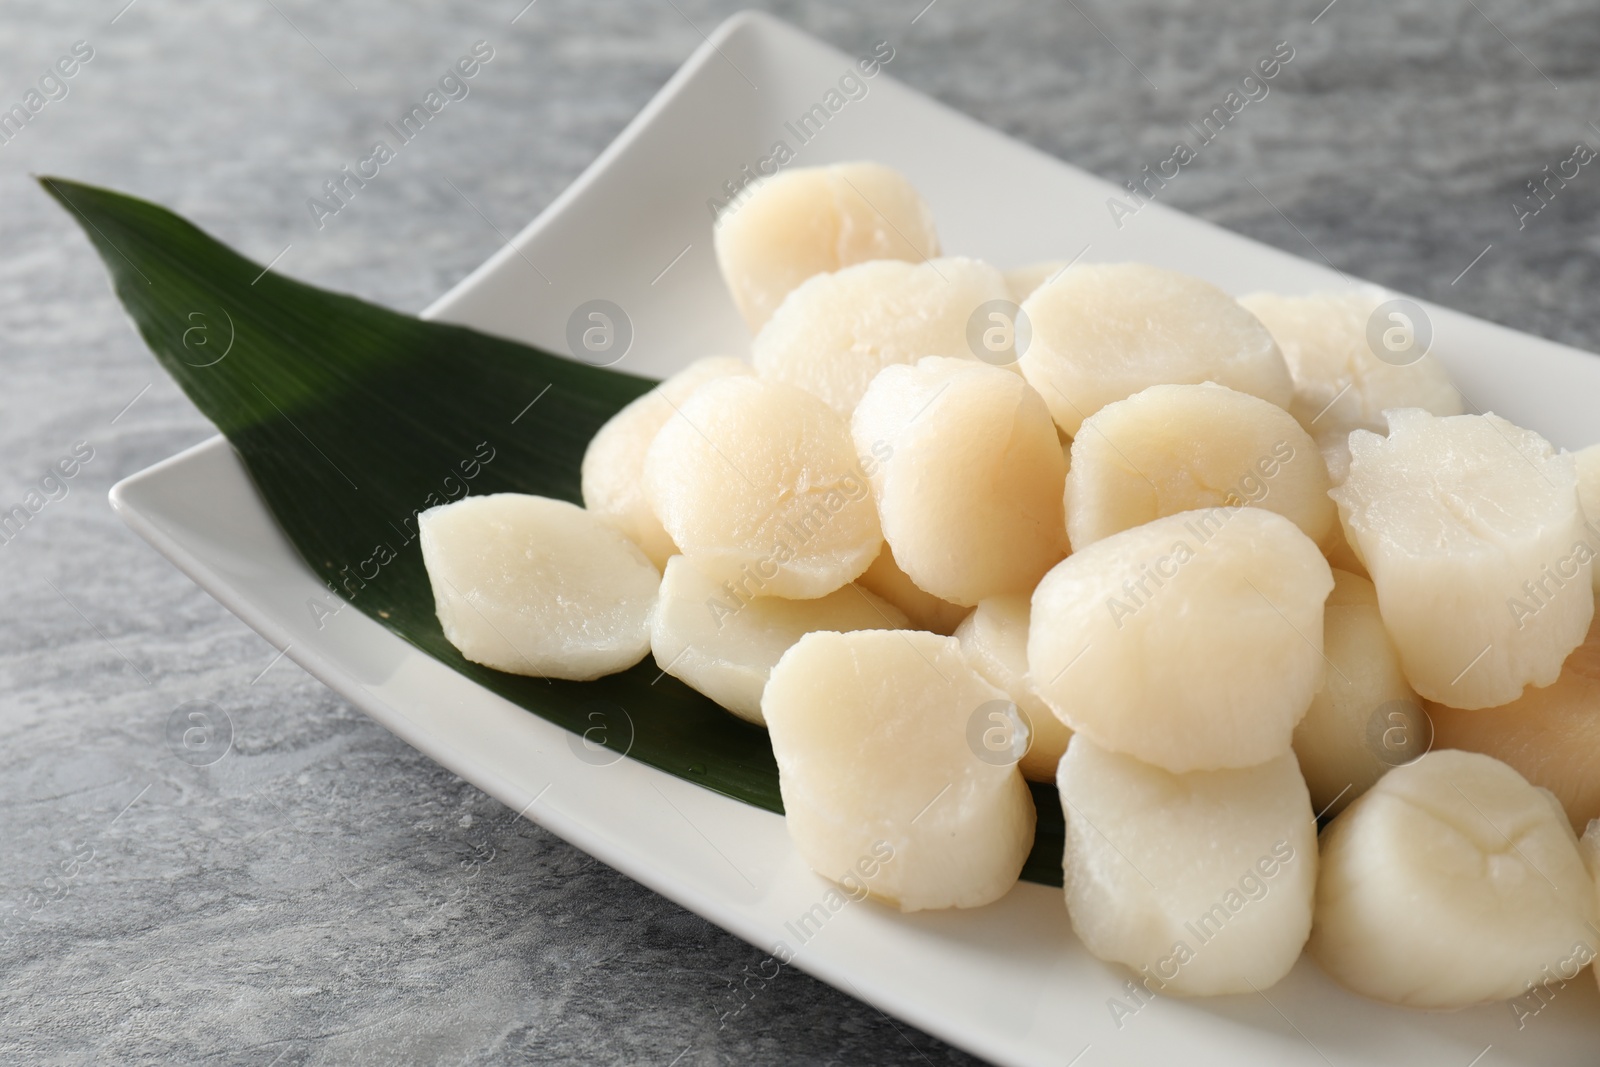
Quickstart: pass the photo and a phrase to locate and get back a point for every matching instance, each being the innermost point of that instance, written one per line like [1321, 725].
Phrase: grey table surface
[324, 894]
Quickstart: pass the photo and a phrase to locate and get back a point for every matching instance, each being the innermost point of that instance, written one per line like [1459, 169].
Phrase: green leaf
[352, 418]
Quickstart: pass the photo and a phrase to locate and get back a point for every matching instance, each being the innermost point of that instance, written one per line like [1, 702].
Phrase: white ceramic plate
[1008, 982]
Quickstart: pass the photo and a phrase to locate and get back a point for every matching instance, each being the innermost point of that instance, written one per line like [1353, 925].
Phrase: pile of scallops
[1219, 568]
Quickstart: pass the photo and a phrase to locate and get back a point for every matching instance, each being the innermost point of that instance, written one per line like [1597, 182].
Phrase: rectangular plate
[1009, 982]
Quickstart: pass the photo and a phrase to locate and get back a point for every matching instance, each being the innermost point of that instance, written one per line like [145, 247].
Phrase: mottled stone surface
[323, 894]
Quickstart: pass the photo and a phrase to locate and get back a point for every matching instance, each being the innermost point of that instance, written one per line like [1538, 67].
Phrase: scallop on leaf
[352, 420]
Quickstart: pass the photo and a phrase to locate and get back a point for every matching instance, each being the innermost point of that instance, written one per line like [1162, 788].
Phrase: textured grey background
[323, 894]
